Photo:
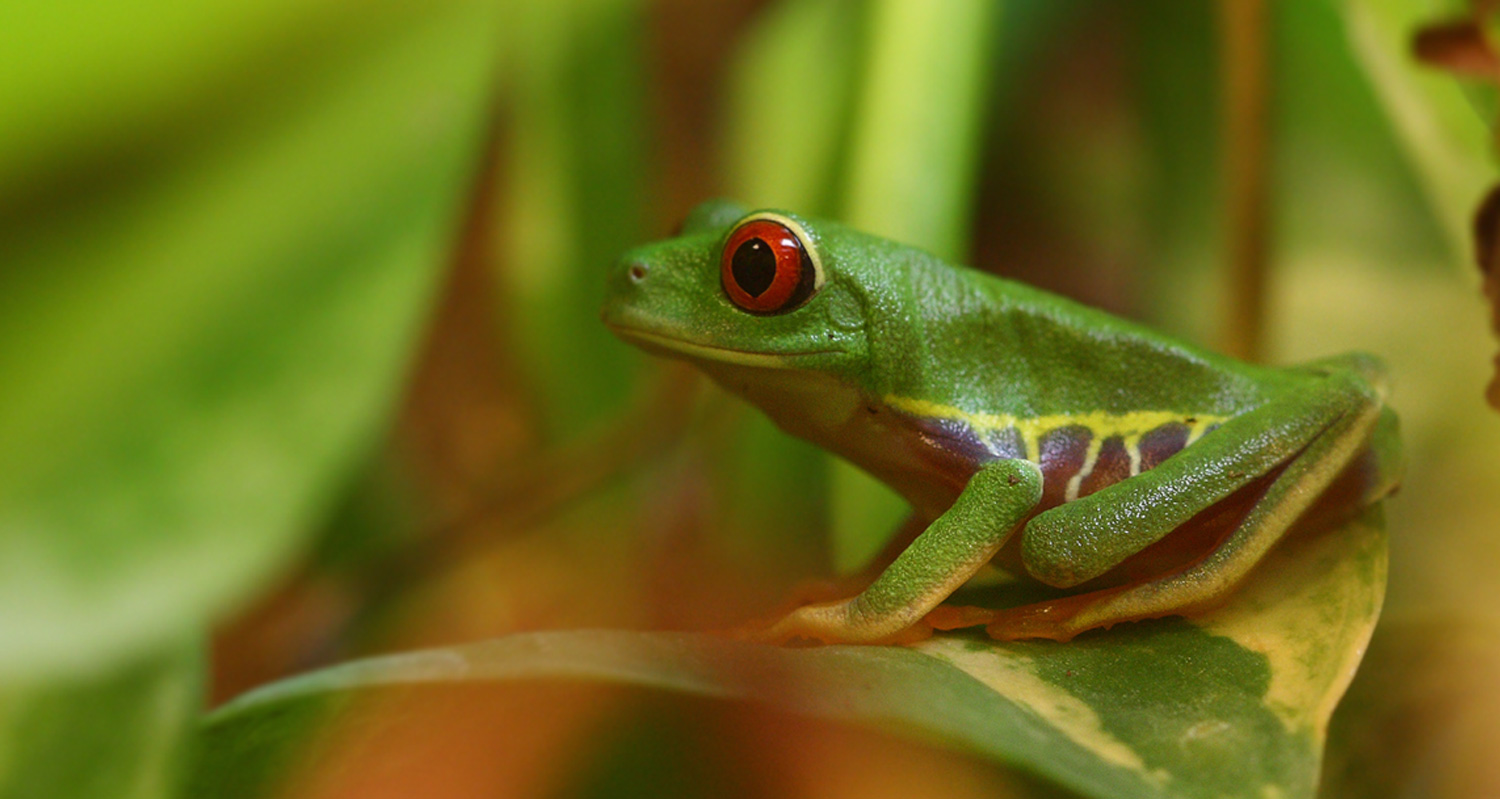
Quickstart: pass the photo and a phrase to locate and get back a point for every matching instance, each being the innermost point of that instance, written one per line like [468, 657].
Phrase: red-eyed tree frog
[1061, 443]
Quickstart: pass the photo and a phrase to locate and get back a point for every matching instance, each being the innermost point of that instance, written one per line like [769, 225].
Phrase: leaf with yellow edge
[1233, 704]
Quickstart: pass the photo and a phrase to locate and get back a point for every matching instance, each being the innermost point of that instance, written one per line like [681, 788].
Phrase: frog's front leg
[941, 559]
[825, 590]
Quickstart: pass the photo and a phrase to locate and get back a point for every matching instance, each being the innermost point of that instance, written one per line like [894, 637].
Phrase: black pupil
[754, 267]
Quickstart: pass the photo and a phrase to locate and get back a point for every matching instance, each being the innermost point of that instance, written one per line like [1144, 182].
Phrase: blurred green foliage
[223, 226]
[206, 310]
[576, 177]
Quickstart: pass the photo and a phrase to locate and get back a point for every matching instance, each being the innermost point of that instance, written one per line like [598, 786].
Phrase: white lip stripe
[721, 354]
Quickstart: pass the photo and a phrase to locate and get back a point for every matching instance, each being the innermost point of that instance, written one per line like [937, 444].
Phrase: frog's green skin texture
[995, 408]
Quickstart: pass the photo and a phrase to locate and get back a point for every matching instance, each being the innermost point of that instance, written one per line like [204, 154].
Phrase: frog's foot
[833, 623]
[1057, 620]
[824, 591]
[957, 617]
[821, 591]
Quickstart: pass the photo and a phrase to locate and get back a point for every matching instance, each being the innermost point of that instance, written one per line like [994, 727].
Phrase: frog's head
[767, 289]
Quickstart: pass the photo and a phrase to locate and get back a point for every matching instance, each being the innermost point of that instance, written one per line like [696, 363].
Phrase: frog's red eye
[766, 268]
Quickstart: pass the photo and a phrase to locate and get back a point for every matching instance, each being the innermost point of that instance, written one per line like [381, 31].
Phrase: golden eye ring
[766, 267]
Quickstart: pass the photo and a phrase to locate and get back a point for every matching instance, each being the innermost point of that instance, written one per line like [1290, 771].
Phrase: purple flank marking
[951, 440]
[1008, 443]
[1112, 466]
[1161, 443]
[1061, 452]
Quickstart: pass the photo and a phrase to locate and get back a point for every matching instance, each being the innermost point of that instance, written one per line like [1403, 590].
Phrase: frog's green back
[961, 338]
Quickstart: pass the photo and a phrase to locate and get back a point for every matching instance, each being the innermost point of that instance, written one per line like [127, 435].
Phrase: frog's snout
[625, 285]
[628, 275]
[657, 287]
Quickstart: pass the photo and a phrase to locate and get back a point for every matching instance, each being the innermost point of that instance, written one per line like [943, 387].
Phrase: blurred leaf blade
[1234, 704]
[781, 160]
[917, 118]
[122, 735]
[576, 157]
[1177, 66]
[1445, 139]
[197, 342]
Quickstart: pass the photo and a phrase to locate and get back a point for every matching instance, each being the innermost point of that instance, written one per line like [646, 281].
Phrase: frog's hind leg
[1292, 488]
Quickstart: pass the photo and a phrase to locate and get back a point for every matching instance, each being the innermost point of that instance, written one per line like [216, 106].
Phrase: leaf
[791, 161]
[1445, 140]
[219, 228]
[122, 735]
[1233, 704]
[1177, 60]
[1445, 135]
[575, 153]
[916, 130]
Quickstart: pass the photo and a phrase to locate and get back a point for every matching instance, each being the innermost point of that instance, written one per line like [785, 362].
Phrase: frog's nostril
[638, 272]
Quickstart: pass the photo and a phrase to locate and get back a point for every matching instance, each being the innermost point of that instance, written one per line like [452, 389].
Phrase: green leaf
[1177, 63]
[575, 159]
[1336, 150]
[791, 161]
[1233, 704]
[219, 229]
[121, 735]
[916, 130]
[1445, 139]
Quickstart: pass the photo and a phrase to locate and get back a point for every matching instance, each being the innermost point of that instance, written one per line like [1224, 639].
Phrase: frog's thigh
[1087, 537]
[941, 559]
[1208, 581]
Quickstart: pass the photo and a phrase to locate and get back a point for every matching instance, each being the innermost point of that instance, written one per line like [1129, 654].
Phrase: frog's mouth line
[710, 352]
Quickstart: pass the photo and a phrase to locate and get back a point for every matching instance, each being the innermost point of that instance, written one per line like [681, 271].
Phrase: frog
[1132, 474]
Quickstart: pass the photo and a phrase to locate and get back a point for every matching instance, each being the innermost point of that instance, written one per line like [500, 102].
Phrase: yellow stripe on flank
[1200, 426]
[1129, 426]
[1133, 449]
[1090, 459]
